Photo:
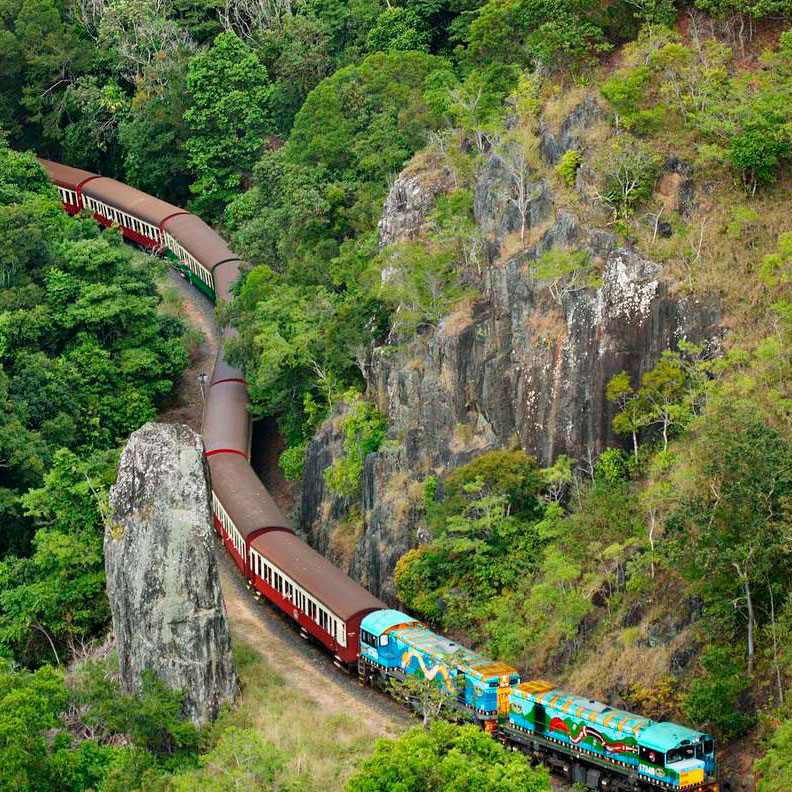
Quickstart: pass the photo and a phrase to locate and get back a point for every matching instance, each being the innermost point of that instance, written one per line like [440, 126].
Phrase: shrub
[713, 699]
[445, 758]
[756, 153]
[629, 169]
[568, 166]
[292, 461]
[626, 93]
[775, 767]
[611, 465]
[364, 428]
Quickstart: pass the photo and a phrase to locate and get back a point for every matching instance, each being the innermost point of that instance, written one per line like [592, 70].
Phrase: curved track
[322, 600]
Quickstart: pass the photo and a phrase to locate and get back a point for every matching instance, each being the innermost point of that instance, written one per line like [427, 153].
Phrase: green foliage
[629, 170]
[714, 699]
[729, 530]
[566, 271]
[419, 283]
[739, 118]
[512, 474]
[363, 428]
[757, 151]
[485, 539]
[309, 313]
[241, 759]
[611, 465]
[670, 395]
[85, 359]
[397, 29]
[776, 268]
[228, 119]
[625, 93]
[57, 594]
[775, 767]
[152, 718]
[550, 34]
[567, 168]
[446, 758]
[36, 751]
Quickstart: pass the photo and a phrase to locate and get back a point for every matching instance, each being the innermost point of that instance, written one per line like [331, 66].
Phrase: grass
[321, 749]
[345, 535]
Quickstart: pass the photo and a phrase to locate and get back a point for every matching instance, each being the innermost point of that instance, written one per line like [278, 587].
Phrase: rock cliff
[162, 581]
[526, 364]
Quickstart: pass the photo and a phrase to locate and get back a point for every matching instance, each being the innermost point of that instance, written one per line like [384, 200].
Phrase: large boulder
[162, 581]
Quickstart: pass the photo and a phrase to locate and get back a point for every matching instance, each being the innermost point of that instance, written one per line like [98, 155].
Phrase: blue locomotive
[587, 741]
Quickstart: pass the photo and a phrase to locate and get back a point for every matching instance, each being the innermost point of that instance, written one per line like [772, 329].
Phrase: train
[586, 741]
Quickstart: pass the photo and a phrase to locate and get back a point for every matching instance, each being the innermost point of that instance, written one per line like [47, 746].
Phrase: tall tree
[228, 121]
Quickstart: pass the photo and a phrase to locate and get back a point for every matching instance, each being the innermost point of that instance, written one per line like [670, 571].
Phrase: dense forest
[284, 124]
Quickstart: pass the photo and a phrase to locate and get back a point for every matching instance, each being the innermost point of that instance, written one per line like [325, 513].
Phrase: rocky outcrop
[526, 364]
[162, 581]
[553, 146]
[532, 361]
[495, 212]
[410, 200]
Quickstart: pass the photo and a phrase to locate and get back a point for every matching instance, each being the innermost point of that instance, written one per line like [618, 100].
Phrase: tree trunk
[651, 540]
[775, 646]
[749, 602]
[635, 444]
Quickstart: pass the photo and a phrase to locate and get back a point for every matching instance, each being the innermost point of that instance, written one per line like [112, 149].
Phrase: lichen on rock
[162, 580]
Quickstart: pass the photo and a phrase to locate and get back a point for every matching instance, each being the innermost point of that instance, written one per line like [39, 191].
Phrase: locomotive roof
[226, 420]
[439, 647]
[244, 497]
[65, 175]
[385, 620]
[588, 710]
[128, 199]
[318, 576]
[665, 736]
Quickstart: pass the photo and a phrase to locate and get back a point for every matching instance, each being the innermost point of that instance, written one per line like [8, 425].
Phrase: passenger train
[587, 741]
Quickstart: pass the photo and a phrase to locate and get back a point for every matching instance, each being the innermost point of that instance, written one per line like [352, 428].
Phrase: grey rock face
[493, 209]
[533, 364]
[553, 147]
[408, 203]
[528, 364]
[168, 611]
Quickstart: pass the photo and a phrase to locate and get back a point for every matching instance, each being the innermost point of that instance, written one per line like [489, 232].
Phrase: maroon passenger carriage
[322, 600]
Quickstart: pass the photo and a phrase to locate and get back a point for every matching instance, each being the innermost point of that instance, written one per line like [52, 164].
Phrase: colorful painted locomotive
[394, 645]
[589, 742]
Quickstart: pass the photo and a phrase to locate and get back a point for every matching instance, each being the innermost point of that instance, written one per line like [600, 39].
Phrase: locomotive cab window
[709, 746]
[383, 641]
[367, 638]
[680, 754]
[650, 755]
